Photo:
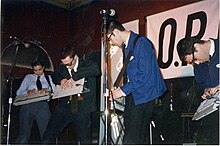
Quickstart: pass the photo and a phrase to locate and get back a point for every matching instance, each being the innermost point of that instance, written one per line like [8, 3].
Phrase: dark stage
[171, 127]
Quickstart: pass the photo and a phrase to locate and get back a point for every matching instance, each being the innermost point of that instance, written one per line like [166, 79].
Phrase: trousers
[63, 116]
[37, 111]
[137, 119]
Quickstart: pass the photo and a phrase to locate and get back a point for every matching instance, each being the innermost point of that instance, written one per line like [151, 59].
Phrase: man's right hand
[210, 92]
[31, 92]
[66, 83]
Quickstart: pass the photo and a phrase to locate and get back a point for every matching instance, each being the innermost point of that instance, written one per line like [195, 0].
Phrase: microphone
[26, 45]
[110, 12]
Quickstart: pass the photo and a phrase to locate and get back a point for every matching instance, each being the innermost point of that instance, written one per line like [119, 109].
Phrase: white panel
[180, 15]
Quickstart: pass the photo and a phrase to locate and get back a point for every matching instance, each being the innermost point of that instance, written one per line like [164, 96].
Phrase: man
[144, 84]
[74, 109]
[38, 111]
[204, 56]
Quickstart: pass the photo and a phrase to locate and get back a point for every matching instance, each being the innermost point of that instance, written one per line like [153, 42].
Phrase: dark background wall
[55, 27]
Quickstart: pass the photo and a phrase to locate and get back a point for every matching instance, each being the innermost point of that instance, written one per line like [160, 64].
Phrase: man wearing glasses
[145, 82]
[74, 109]
[204, 56]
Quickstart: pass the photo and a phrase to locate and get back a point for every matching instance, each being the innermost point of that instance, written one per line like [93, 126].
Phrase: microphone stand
[10, 82]
[104, 87]
[114, 121]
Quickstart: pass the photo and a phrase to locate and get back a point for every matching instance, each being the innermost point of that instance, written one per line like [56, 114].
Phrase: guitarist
[144, 82]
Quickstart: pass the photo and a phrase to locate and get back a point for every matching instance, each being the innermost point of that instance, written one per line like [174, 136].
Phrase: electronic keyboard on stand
[77, 88]
[26, 98]
[207, 107]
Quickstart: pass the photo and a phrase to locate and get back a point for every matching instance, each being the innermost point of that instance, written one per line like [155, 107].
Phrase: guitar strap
[130, 53]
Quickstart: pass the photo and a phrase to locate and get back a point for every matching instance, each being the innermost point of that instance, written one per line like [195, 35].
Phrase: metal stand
[152, 125]
[111, 127]
[117, 129]
[151, 134]
[104, 86]
[9, 110]
[106, 114]
[10, 82]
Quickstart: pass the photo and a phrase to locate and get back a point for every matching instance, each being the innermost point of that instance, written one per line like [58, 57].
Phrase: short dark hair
[67, 51]
[37, 62]
[114, 24]
[186, 46]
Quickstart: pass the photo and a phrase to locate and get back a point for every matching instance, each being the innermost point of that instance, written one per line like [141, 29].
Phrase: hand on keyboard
[210, 92]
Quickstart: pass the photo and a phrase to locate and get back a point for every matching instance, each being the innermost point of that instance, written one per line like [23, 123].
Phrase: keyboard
[207, 107]
[26, 98]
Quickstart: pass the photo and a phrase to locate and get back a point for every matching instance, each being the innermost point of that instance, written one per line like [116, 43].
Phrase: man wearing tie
[38, 111]
[74, 109]
[144, 82]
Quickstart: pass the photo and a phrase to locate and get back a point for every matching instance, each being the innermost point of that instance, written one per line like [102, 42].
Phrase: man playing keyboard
[204, 56]
[38, 82]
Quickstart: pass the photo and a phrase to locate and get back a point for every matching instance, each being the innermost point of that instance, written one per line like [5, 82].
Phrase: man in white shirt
[35, 111]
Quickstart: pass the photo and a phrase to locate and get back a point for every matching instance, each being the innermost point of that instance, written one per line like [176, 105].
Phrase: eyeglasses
[109, 38]
[69, 64]
[193, 56]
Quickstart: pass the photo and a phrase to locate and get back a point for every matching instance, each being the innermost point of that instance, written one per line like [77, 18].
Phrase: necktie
[73, 99]
[39, 85]
[72, 72]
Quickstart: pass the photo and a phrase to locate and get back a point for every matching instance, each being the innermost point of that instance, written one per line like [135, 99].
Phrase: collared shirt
[75, 67]
[212, 49]
[29, 83]
[126, 42]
